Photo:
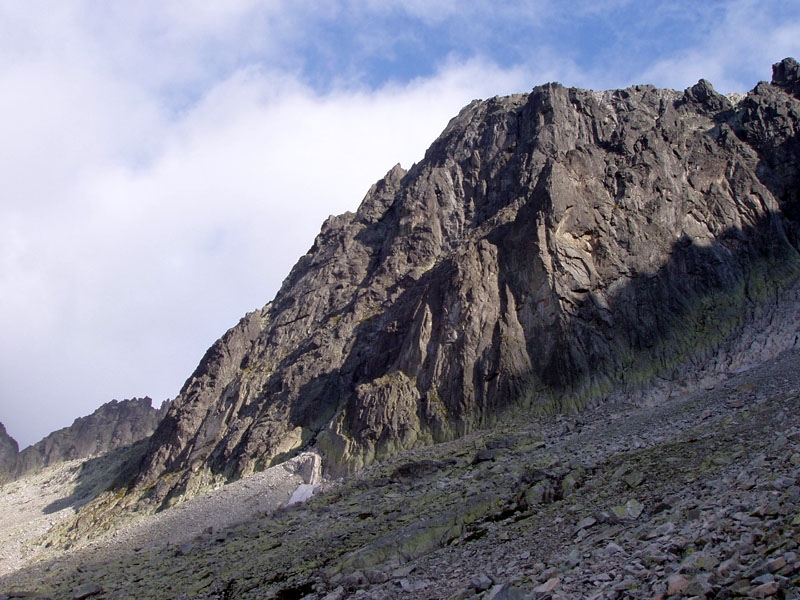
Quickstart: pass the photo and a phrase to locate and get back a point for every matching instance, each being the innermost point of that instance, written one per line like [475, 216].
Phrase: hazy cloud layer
[165, 164]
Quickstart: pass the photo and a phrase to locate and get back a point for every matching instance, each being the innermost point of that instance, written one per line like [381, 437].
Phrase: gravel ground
[29, 507]
[695, 496]
[26, 510]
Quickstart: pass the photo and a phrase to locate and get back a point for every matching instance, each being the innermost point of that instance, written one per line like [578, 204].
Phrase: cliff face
[113, 425]
[8, 454]
[550, 249]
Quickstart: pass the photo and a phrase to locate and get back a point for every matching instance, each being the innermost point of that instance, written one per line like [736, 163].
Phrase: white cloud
[737, 52]
[133, 235]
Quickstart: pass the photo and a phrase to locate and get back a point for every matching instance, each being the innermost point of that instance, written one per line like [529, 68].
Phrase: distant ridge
[115, 424]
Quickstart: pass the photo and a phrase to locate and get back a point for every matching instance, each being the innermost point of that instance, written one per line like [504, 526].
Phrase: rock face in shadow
[114, 425]
[552, 248]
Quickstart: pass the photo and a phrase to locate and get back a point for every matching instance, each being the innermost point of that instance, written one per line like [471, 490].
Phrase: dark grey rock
[550, 245]
[506, 592]
[87, 590]
[481, 582]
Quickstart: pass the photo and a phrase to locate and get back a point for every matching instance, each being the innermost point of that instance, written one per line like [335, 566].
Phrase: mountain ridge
[114, 425]
[551, 248]
[590, 298]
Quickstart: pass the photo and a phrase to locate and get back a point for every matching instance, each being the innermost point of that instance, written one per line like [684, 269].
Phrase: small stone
[634, 478]
[401, 572]
[699, 561]
[620, 472]
[375, 576]
[741, 586]
[573, 559]
[790, 569]
[634, 508]
[665, 528]
[776, 564]
[548, 586]
[765, 589]
[410, 587]
[676, 584]
[336, 594]
[506, 592]
[631, 510]
[586, 523]
[86, 590]
[727, 567]
[765, 578]
[481, 583]
[780, 443]
[746, 483]
[699, 586]
[613, 548]
[355, 579]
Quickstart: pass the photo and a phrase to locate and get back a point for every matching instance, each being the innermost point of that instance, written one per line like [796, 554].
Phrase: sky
[164, 163]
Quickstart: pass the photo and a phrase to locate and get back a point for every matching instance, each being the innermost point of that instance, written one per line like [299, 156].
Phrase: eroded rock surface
[551, 248]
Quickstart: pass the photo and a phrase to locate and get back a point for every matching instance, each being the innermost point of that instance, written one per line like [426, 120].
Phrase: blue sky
[165, 163]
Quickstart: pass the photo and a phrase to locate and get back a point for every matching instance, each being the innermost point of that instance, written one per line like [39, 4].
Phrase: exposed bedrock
[552, 248]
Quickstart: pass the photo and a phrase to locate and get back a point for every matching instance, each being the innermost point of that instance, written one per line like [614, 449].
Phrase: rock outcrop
[552, 248]
[8, 454]
[114, 425]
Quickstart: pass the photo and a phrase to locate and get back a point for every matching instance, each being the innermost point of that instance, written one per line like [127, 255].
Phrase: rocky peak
[786, 75]
[552, 249]
[116, 424]
[8, 454]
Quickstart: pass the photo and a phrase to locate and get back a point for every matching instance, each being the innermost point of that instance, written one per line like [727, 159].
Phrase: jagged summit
[116, 424]
[551, 248]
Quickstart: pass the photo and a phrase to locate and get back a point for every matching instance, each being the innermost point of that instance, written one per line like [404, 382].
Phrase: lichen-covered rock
[551, 248]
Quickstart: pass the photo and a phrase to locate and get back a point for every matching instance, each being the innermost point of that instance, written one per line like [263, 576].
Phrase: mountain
[114, 425]
[551, 249]
[632, 254]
